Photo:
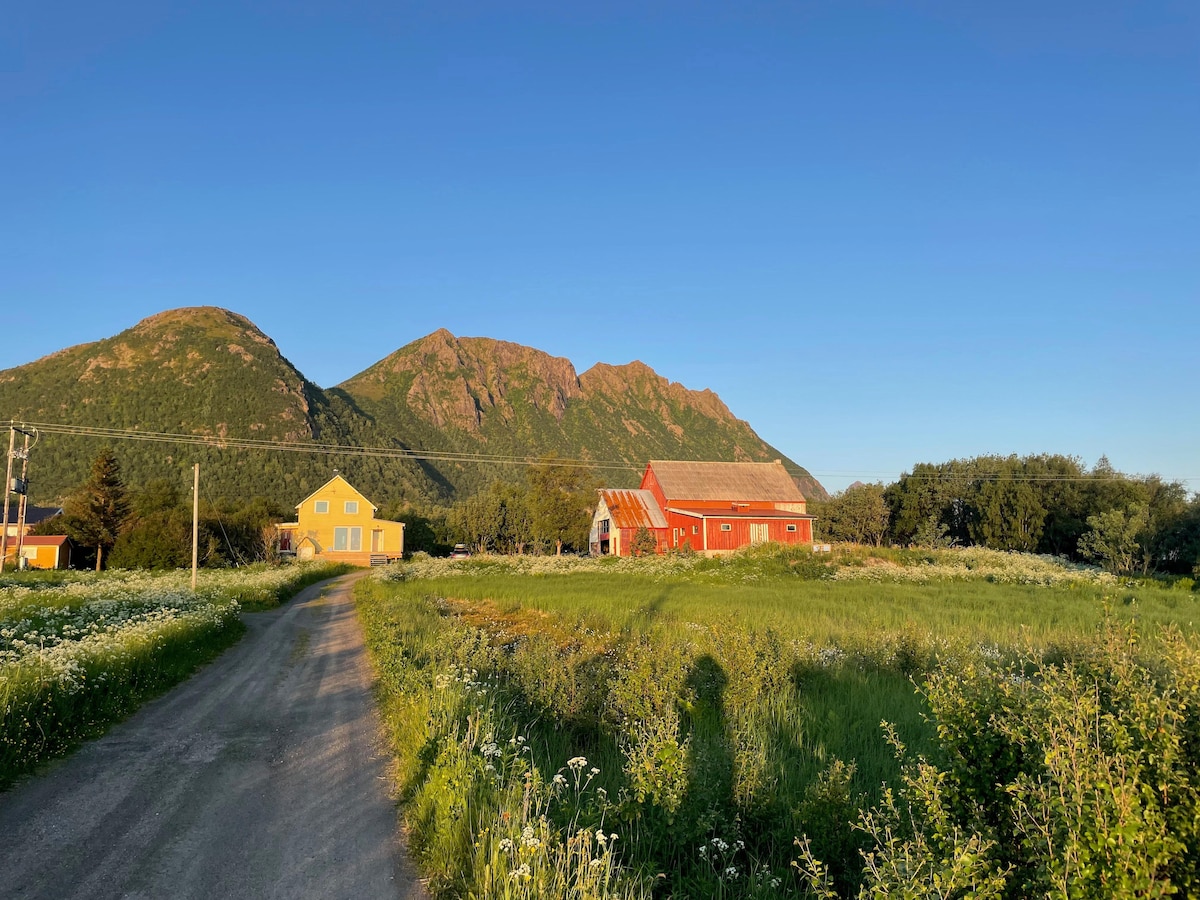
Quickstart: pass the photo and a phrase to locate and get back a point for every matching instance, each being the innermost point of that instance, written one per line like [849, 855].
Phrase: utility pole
[20, 487]
[195, 524]
[24, 503]
[12, 440]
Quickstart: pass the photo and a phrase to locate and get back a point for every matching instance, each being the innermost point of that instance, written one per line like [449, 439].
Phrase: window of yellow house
[347, 539]
[352, 507]
[321, 506]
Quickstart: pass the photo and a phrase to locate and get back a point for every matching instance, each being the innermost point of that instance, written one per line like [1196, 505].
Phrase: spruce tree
[95, 511]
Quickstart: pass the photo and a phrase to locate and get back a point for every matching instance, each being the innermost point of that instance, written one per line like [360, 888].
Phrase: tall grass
[728, 707]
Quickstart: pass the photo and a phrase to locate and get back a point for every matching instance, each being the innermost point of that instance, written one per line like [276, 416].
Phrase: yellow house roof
[374, 508]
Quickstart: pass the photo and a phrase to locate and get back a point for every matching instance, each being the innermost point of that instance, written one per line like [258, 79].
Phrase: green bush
[1078, 779]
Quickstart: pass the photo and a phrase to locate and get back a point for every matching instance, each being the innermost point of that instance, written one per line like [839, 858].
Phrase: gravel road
[263, 776]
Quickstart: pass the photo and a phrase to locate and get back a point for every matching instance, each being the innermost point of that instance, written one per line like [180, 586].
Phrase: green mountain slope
[476, 408]
[202, 371]
[464, 395]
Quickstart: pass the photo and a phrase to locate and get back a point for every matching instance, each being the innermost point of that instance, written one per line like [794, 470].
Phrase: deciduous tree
[858, 514]
[561, 498]
[1113, 538]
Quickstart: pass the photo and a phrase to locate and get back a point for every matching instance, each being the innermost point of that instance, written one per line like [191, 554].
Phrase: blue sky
[883, 233]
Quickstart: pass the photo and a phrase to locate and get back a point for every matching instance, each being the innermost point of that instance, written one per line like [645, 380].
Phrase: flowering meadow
[866, 723]
[79, 651]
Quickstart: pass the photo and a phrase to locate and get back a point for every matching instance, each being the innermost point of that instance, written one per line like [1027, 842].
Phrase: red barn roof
[633, 509]
[42, 540]
[725, 481]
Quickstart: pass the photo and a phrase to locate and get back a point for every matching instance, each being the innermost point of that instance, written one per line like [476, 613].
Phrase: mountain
[202, 371]
[476, 407]
[464, 395]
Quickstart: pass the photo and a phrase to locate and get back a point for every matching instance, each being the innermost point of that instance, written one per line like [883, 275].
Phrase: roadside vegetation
[684, 727]
[79, 651]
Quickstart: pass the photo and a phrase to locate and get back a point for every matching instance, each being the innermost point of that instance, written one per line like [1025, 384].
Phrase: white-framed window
[351, 507]
[347, 539]
[695, 529]
[725, 526]
[791, 528]
[321, 506]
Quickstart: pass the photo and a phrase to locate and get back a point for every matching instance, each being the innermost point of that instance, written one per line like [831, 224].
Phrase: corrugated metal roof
[725, 481]
[738, 513]
[633, 509]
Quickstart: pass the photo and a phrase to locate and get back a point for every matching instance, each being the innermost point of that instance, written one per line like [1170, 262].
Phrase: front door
[377, 540]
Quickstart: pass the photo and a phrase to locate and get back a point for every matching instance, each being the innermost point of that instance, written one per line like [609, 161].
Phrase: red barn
[712, 507]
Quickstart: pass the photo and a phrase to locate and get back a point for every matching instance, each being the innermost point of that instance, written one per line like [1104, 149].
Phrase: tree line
[151, 527]
[1044, 503]
[549, 510]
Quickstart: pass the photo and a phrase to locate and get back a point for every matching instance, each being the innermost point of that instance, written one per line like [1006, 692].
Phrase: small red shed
[619, 515]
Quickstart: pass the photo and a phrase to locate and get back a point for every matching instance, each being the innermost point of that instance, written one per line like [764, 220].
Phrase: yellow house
[337, 523]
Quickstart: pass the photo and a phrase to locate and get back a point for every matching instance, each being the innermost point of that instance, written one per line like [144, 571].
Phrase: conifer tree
[95, 511]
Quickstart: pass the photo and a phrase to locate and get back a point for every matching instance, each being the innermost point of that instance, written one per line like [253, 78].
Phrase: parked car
[460, 551]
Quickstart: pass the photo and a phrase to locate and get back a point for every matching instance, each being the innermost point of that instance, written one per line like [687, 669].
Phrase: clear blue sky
[884, 233]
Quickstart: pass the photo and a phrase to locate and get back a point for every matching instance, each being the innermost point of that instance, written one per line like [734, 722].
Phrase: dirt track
[261, 777]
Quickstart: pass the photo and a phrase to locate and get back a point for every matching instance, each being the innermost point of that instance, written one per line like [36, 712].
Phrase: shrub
[1074, 779]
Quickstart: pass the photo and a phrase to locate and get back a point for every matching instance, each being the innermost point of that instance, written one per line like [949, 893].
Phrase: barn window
[321, 506]
[695, 529]
[791, 528]
[352, 507]
[725, 526]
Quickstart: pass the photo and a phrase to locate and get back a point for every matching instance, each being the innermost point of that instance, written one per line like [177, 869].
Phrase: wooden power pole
[12, 440]
[195, 523]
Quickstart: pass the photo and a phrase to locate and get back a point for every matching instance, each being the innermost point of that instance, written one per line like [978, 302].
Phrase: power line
[1008, 476]
[228, 443]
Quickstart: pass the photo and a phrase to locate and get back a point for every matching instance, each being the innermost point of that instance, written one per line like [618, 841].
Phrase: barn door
[759, 533]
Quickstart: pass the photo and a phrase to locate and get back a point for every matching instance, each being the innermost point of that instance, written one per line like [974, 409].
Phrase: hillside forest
[1047, 504]
[432, 423]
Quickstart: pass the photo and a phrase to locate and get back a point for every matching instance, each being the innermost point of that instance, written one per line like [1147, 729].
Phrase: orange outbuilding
[48, 551]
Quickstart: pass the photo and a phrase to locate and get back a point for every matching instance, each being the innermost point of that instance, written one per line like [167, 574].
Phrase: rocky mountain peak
[659, 393]
[460, 383]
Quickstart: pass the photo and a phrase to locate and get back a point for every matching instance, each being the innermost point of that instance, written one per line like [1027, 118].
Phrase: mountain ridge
[472, 401]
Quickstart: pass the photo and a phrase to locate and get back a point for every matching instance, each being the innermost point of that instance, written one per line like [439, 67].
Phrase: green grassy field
[723, 708]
